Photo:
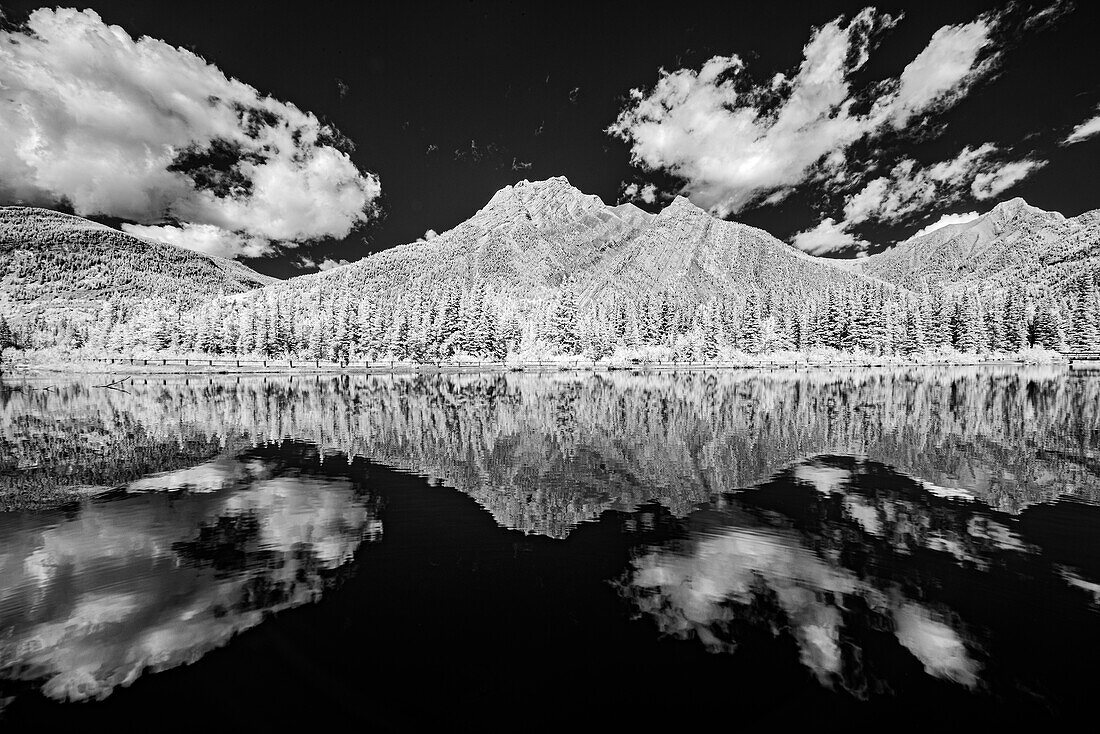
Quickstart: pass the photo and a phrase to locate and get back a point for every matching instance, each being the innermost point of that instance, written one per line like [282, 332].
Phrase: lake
[529, 551]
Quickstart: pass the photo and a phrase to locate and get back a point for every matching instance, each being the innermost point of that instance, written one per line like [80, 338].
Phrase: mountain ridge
[1013, 239]
[544, 268]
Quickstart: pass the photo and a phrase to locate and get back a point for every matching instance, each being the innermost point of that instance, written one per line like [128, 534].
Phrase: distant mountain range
[1013, 242]
[546, 269]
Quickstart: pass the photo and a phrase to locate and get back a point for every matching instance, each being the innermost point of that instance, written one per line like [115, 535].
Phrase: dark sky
[448, 103]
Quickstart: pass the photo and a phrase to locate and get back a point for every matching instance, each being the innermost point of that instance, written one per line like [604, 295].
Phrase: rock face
[56, 262]
[1013, 240]
[532, 237]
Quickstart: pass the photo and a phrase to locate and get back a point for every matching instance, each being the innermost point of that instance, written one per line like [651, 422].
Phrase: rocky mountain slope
[1014, 240]
[533, 237]
[57, 263]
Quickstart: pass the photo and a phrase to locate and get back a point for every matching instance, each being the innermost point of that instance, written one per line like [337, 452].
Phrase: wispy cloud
[989, 184]
[151, 133]
[909, 190]
[1084, 130]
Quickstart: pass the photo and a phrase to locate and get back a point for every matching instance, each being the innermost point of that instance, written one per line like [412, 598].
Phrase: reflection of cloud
[690, 593]
[935, 644]
[212, 476]
[825, 479]
[150, 582]
[1073, 579]
[702, 586]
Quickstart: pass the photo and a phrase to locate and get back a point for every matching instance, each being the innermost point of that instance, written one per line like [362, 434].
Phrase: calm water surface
[531, 551]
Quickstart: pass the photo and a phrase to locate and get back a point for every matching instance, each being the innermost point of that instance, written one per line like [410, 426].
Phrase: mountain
[533, 237]
[544, 269]
[54, 264]
[1013, 241]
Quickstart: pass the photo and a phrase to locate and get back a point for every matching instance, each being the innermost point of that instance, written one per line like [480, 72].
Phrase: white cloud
[946, 220]
[1085, 130]
[828, 236]
[943, 71]
[735, 143]
[144, 131]
[909, 189]
[646, 193]
[322, 265]
[994, 182]
[205, 238]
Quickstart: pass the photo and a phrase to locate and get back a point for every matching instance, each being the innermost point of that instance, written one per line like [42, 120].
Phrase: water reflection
[838, 553]
[543, 453]
[169, 568]
[874, 523]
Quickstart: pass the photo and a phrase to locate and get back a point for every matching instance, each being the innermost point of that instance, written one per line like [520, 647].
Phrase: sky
[297, 139]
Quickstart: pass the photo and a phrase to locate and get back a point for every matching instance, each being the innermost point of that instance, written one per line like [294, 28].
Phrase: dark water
[536, 551]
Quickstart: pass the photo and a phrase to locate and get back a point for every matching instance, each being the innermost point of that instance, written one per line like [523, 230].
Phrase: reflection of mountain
[150, 580]
[860, 567]
[543, 453]
[56, 447]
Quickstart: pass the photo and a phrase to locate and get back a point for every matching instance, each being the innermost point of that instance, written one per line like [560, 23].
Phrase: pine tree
[1049, 328]
[1084, 330]
[751, 324]
[563, 324]
[1016, 322]
[8, 338]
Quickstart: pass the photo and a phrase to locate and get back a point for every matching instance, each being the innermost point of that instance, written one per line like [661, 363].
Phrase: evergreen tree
[1049, 328]
[1084, 330]
[563, 324]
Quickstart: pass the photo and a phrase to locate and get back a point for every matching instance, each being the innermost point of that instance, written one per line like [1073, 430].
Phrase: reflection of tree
[544, 452]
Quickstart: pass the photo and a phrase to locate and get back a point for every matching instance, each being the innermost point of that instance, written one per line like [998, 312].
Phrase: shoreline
[215, 366]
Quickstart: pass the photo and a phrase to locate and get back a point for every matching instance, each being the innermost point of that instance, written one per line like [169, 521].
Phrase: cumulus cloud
[735, 142]
[828, 236]
[945, 221]
[322, 265]
[1085, 130]
[646, 192]
[205, 238]
[151, 133]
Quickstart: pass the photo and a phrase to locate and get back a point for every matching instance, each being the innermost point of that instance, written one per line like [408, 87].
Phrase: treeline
[451, 320]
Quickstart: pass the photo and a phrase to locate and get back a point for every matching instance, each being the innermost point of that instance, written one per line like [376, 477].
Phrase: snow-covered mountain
[53, 262]
[1014, 240]
[533, 237]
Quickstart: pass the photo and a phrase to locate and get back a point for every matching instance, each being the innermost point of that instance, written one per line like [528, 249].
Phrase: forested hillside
[545, 270]
[61, 274]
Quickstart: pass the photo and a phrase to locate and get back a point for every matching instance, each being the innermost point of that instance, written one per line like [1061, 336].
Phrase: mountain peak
[553, 200]
[1007, 211]
[681, 206]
